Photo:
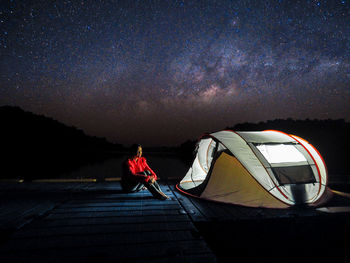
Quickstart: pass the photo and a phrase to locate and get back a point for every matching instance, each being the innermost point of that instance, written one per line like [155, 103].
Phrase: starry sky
[161, 72]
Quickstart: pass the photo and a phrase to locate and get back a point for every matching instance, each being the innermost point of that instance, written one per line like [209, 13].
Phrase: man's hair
[133, 148]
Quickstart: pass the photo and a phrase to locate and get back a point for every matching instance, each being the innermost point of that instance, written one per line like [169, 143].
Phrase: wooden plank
[199, 258]
[48, 187]
[109, 220]
[120, 195]
[190, 208]
[102, 229]
[92, 240]
[65, 210]
[116, 203]
[180, 251]
[213, 211]
[99, 222]
[124, 200]
[135, 213]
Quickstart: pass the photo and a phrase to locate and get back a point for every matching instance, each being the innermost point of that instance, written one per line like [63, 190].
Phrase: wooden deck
[96, 222]
[258, 234]
[209, 211]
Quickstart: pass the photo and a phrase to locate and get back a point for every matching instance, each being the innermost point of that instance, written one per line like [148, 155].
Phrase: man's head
[139, 151]
[135, 149]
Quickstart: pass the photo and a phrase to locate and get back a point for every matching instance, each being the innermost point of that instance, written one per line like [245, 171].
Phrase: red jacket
[138, 166]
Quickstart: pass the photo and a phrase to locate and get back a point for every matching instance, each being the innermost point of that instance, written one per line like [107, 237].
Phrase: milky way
[161, 72]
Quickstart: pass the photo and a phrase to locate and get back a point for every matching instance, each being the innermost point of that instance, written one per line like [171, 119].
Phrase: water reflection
[165, 166]
[101, 170]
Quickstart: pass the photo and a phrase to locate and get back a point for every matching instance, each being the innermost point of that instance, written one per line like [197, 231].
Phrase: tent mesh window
[281, 153]
[294, 174]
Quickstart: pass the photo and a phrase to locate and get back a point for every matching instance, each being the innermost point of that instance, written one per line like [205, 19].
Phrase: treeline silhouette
[35, 146]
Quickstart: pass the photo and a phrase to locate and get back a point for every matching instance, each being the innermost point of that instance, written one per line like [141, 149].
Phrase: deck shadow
[293, 239]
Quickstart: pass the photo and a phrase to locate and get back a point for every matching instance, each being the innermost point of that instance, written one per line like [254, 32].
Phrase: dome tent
[257, 169]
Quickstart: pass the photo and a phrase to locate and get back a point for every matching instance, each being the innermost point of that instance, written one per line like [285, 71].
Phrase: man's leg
[138, 187]
[130, 185]
[155, 190]
[156, 185]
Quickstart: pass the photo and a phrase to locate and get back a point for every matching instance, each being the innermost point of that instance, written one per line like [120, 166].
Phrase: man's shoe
[164, 196]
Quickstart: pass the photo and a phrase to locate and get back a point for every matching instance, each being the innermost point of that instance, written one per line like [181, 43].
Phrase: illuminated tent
[258, 169]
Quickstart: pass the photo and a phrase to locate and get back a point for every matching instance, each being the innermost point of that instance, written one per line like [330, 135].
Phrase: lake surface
[166, 166]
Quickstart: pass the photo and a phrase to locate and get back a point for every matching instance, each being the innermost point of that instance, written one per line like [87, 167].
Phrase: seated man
[138, 176]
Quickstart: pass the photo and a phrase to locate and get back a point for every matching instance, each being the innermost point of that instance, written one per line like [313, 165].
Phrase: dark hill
[37, 146]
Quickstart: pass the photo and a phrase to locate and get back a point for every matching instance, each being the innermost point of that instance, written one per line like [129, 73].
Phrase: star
[175, 63]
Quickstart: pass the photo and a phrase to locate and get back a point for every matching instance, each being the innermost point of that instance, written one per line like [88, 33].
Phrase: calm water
[166, 166]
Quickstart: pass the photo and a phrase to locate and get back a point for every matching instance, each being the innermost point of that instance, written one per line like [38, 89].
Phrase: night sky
[161, 72]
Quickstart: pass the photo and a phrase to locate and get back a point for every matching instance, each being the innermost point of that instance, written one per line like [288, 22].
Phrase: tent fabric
[231, 181]
[265, 137]
[259, 169]
[318, 159]
[238, 146]
[201, 164]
